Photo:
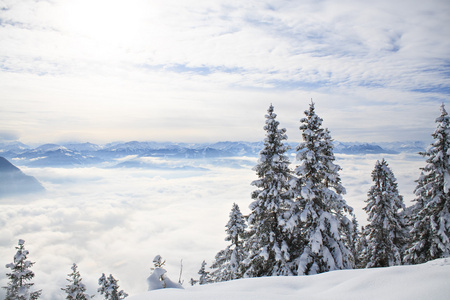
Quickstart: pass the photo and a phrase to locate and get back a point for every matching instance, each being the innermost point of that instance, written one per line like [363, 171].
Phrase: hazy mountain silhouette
[88, 154]
[14, 182]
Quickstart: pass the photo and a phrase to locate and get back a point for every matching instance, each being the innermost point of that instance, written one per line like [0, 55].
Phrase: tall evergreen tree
[430, 219]
[76, 289]
[320, 206]
[386, 229]
[227, 265]
[267, 244]
[19, 287]
[110, 288]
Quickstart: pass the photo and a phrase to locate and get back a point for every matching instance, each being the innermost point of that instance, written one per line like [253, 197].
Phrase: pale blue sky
[195, 71]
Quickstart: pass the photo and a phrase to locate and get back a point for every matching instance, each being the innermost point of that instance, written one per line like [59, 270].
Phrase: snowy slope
[426, 281]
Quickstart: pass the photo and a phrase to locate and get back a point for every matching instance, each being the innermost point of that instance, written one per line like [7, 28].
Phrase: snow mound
[425, 281]
[159, 280]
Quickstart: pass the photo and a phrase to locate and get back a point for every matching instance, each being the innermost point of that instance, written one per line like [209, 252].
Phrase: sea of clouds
[116, 220]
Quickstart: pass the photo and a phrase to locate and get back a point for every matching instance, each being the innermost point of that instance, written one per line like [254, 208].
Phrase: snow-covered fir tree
[19, 285]
[430, 219]
[385, 230]
[110, 288]
[205, 277]
[268, 241]
[76, 289]
[227, 264]
[320, 206]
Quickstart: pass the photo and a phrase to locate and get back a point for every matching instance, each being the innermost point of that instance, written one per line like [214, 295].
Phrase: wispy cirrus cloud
[97, 62]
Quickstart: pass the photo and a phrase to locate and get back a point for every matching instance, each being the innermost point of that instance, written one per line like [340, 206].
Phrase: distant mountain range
[112, 154]
[13, 181]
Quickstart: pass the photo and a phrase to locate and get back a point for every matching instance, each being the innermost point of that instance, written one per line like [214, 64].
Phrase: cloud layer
[116, 220]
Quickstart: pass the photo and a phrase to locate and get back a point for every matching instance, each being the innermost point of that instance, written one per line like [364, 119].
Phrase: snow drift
[425, 281]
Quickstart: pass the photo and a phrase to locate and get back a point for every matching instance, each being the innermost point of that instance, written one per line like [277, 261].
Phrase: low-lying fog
[115, 220]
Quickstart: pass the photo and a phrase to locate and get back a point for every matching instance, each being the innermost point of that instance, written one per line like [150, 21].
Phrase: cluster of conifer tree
[20, 286]
[300, 224]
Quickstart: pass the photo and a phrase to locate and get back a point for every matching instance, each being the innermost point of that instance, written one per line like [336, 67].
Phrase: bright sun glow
[105, 21]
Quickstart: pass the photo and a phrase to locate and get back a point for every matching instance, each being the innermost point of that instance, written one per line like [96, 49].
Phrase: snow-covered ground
[425, 281]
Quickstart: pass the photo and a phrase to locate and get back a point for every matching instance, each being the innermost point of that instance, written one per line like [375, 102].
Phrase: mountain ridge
[84, 154]
[14, 182]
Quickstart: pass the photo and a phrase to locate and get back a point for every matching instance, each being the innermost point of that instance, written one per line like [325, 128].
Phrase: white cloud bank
[116, 220]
